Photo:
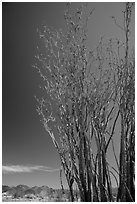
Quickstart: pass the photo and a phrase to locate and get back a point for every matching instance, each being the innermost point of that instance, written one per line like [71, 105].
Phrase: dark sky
[25, 144]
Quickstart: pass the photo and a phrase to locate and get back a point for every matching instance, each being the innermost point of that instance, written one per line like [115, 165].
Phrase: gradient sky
[28, 155]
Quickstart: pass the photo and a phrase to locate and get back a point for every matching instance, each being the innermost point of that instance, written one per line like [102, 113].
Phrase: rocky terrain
[24, 193]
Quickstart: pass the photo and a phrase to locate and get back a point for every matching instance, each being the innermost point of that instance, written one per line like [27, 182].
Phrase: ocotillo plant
[126, 191]
[83, 97]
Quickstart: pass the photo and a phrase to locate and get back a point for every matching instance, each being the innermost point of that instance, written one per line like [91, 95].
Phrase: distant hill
[5, 188]
[30, 191]
[22, 190]
[19, 191]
